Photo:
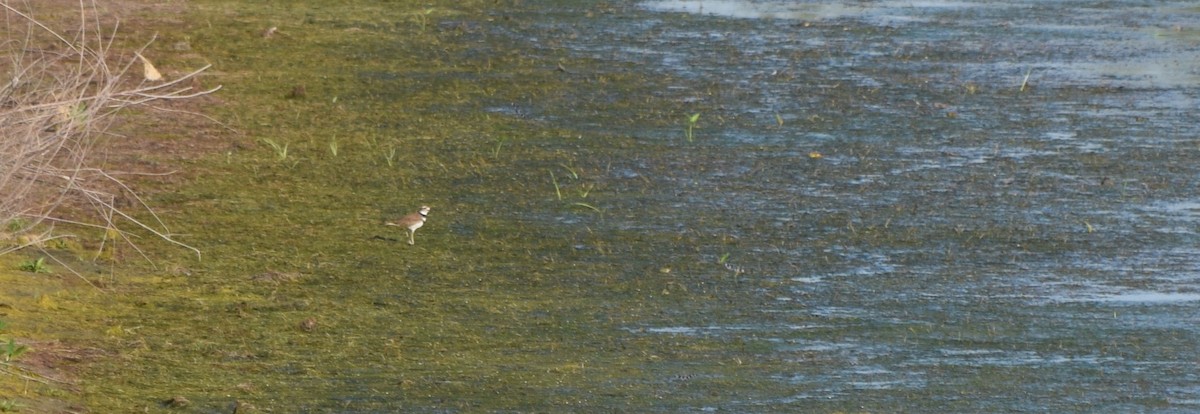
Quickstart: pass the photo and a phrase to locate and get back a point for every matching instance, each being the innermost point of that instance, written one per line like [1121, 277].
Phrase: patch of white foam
[690, 330]
[1137, 297]
[999, 358]
[740, 9]
[900, 11]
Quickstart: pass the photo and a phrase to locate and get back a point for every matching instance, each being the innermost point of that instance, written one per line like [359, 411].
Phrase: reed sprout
[1025, 82]
[281, 150]
[390, 157]
[691, 124]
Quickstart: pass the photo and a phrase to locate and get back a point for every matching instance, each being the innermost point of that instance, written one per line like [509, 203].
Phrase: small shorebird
[412, 222]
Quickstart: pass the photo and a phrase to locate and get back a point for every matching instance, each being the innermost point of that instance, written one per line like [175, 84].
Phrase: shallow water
[884, 207]
[1002, 216]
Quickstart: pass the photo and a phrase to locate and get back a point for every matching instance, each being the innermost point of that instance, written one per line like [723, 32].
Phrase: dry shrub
[60, 91]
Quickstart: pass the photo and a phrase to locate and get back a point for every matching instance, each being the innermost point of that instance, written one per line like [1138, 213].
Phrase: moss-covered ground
[518, 294]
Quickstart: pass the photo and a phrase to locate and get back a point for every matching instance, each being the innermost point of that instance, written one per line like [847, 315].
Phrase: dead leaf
[148, 69]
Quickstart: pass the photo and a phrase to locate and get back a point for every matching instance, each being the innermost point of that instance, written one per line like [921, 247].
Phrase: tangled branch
[59, 94]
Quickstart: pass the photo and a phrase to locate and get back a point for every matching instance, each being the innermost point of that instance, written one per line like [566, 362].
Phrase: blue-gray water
[937, 206]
